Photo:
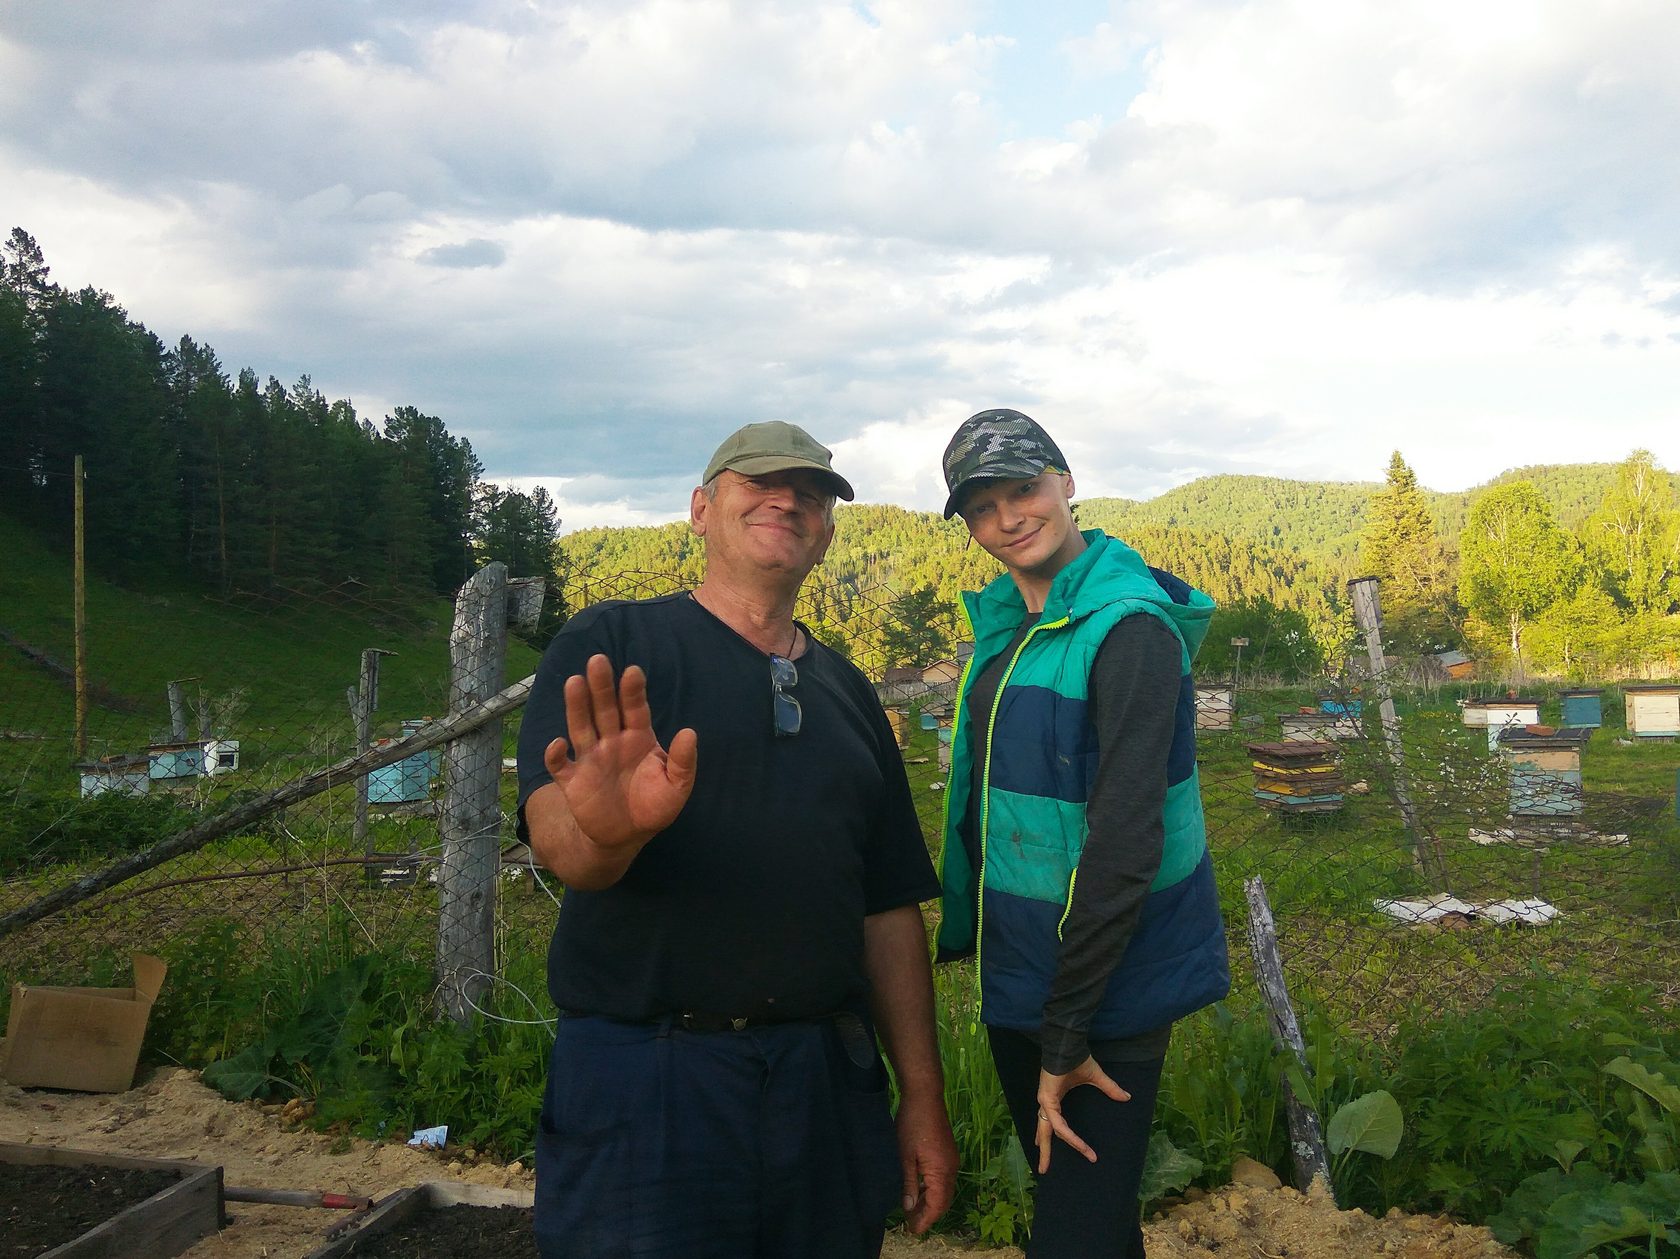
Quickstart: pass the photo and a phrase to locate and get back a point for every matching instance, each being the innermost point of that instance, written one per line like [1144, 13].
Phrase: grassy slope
[293, 663]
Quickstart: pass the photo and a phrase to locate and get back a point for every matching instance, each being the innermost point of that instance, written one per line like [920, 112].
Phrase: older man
[743, 865]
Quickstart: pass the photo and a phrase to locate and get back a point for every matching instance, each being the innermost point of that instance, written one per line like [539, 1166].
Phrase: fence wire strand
[1535, 860]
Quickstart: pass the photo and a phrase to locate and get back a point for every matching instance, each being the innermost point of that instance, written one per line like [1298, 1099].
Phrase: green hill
[276, 668]
[1238, 537]
[1319, 518]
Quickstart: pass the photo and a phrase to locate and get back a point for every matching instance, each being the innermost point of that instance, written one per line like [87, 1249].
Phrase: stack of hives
[1297, 777]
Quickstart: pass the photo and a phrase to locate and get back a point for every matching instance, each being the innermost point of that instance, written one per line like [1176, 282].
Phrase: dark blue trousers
[1082, 1210]
[768, 1143]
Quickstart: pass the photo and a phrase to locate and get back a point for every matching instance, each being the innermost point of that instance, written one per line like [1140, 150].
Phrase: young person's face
[1025, 523]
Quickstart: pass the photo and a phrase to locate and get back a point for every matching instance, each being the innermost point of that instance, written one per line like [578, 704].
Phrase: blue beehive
[1354, 708]
[408, 780]
[175, 760]
[1582, 709]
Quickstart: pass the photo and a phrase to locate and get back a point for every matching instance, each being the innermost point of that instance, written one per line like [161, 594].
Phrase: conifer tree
[1400, 546]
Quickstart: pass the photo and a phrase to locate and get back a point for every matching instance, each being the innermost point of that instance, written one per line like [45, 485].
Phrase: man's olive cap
[997, 445]
[775, 446]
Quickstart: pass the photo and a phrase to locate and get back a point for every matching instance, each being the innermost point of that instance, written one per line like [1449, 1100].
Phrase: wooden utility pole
[81, 624]
[1367, 615]
[1306, 1138]
[471, 820]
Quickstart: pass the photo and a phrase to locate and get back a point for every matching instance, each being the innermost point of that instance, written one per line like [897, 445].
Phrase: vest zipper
[986, 802]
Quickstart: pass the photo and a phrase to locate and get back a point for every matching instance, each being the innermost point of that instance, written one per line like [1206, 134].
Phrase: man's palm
[621, 786]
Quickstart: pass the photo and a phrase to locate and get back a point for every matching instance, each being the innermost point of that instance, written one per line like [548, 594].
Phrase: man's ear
[1068, 478]
[698, 502]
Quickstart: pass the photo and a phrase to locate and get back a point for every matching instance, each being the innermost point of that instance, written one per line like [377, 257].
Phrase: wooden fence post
[1306, 1139]
[364, 698]
[471, 819]
[1367, 615]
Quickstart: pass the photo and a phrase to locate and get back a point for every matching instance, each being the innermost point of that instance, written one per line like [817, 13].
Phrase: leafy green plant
[1166, 1168]
[1570, 1212]
[1371, 1123]
[1567, 1215]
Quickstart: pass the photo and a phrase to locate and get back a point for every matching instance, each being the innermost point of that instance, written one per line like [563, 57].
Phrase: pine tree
[1400, 546]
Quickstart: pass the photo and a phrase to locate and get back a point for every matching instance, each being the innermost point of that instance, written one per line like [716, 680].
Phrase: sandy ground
[171, 1115]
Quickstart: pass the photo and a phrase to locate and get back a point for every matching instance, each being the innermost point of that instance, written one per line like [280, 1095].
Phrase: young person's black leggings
[1082, 1210]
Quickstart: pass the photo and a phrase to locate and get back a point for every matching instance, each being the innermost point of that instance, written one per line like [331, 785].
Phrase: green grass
[245, 952]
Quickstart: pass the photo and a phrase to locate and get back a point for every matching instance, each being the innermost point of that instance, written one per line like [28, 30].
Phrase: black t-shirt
[751, 904]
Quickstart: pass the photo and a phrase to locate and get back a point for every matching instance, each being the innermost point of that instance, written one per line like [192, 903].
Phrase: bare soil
[170, 1114]
[44, 1207]
[462, 1232]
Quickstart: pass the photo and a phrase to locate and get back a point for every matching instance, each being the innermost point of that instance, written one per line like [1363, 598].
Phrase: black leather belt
[694, 1021]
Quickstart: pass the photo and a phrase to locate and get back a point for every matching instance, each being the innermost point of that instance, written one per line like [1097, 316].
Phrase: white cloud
[594, 236]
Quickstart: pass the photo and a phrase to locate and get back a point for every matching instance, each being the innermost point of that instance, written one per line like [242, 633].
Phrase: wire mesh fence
[1401, 876]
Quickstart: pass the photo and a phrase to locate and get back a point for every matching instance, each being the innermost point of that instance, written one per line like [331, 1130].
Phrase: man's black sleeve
[1133, 697]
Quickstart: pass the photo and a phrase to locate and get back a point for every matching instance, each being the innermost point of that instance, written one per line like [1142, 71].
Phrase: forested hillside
[1592, 588]
[222, 479]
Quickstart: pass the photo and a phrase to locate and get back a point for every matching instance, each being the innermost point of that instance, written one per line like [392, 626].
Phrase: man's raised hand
[621, 786]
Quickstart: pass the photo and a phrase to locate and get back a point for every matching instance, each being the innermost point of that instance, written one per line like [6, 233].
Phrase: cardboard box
[86, 1039]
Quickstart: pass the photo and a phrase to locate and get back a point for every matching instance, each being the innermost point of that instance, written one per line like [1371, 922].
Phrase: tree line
[239, 483]
[225, 479]
[1536, 581]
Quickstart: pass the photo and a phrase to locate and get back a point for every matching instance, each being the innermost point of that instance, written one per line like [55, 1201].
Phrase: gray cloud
[469, 253]
[597, 236]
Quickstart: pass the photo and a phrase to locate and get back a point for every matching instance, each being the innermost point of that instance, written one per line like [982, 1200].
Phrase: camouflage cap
[775, 446]
[997, 444]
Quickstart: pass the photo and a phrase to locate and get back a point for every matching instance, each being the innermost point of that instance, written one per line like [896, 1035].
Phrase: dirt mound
[1242, 1222]
[172, 1115]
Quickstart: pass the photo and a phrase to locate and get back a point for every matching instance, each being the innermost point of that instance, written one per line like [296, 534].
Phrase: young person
[1075, 858]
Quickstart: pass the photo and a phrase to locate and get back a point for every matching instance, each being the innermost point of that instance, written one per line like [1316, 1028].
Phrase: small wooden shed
[1216, 705]
[941, 672]
[1653, 710]
[1455, 664]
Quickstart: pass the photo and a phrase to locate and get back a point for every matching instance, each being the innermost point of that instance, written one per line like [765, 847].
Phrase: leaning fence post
[471, 819]
[1367, 615]
[1306, 1139]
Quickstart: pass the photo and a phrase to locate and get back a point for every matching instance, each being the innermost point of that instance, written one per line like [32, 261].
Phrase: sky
[1281, 237]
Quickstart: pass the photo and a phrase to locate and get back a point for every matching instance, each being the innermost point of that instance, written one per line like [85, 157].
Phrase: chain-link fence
[1412, 865]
